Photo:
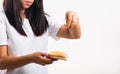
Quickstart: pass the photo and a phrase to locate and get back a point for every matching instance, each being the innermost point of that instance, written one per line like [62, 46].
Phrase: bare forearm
[10, 62]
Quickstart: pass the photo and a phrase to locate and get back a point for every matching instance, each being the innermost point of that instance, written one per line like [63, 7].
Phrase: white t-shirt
[19, 45]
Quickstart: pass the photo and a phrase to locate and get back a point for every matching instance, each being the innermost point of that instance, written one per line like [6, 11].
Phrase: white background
[98, 50]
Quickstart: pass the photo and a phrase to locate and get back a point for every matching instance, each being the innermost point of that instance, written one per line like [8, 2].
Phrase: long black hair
[35, 14]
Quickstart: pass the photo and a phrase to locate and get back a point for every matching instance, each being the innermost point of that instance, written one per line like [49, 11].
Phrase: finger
[75, 19]
[47, 60]
[68, 19]
[53, 59]
[43, 63]
[44, 60]
[48, 57]
[45, 54]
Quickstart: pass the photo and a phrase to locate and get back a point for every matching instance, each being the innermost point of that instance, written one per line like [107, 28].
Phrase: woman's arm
[71, 29]
[11, 62]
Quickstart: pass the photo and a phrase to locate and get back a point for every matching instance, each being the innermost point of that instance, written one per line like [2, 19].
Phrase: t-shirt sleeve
[3, 35]
[54, 27]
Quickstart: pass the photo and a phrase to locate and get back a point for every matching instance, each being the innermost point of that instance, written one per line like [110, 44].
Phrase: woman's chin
[26, 7]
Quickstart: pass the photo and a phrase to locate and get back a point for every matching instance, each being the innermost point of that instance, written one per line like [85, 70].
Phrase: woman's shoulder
[50, 19]
[2, 14]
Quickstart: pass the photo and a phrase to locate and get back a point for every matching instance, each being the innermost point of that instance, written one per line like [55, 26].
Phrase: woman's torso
[19, 45]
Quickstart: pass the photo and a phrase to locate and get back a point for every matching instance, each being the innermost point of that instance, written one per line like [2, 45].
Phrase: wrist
[31, 58]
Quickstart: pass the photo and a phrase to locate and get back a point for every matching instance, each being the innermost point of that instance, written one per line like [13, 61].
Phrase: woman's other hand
[42, 58]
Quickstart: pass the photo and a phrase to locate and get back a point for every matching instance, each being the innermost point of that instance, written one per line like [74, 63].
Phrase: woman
[24, 31]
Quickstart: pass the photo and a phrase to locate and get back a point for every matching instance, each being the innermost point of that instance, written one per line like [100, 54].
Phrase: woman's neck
[22, 14]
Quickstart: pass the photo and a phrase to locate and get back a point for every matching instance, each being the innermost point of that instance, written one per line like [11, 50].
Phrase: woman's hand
[12, 62]
[71, 29]
[71, 19]
[42, 58]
